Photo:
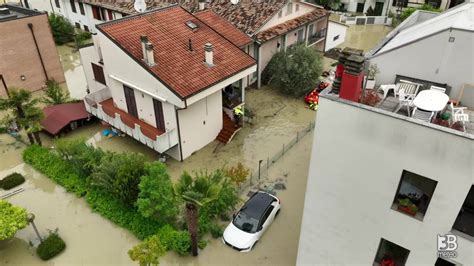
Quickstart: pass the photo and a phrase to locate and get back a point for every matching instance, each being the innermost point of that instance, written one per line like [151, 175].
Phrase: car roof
[257, 204]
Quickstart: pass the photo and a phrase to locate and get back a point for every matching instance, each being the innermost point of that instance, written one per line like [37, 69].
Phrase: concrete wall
[275, 20]
[335, 29]
[19, 56]
[268, 49]
[357, 160]
[200, 123]
[435, 59]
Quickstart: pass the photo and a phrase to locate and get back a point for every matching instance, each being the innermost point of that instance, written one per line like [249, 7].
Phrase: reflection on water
[365, 37]
[73, 71]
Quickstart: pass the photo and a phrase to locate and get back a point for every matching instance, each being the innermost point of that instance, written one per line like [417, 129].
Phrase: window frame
[99, 75]
[289, 8]
[382, 240]
[56, 3]
[81, 8]
[73, 6]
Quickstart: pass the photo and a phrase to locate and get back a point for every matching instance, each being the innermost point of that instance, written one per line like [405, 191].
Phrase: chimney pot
[201, 5]
[150, 58]
[209, 54]
[144, 41]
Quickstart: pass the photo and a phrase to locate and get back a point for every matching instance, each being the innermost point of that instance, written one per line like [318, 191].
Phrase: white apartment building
[384, 186]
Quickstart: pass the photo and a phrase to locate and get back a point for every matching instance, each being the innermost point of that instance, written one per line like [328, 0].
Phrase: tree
[24, 112]
[156, 198]
[119, 174]
[63, 30]
[81, 156]
[12, 219]
[196, 192]
[294, 71]
[148, 252]
[237, 174]
[54, 94]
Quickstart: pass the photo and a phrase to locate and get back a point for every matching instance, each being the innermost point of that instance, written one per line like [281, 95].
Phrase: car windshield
[245, 222]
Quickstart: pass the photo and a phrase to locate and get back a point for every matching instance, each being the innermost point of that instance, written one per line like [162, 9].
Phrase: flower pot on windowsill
[406, 210]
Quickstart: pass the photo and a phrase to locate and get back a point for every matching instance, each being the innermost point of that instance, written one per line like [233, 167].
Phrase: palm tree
[54, 94]
[197, 192]
[24, 111]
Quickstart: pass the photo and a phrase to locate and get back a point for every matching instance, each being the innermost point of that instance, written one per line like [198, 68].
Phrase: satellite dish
[139, 5]
[234, 2]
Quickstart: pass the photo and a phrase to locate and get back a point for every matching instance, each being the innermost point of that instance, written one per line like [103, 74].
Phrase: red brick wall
[19, 56]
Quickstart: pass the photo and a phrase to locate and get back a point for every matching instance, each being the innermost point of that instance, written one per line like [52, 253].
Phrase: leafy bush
[225, 202]
[294, 71]
[12, 181]
[410, 10]
[178, 241]
[12, 219]
[54, 94]
[51, 246]
[202, 244]
[119, 174]
[63, 30]
[216, 231]
[148, 252]
[156, 198]
[53, 166]
[83, 36]
[82, 157]
[237, 174]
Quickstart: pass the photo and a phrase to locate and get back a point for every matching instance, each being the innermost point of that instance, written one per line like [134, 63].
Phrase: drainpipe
[52, 8]
[30, 25]
[5, 86]
[179, 130]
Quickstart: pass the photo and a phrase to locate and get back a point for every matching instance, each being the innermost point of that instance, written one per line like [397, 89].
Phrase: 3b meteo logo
[447, 246]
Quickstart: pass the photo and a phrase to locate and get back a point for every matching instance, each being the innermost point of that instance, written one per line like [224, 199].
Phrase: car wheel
[276, 214]
[254, 244]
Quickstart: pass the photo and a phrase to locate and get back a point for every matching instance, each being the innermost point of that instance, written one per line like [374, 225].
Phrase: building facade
[28, 54]
[159, 78]
[366, 164]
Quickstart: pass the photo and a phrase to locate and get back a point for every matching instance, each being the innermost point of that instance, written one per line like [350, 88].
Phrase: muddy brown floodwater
[75, 79]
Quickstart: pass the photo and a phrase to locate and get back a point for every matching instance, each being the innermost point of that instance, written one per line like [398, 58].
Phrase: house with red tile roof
[160, 76]
[273, 25]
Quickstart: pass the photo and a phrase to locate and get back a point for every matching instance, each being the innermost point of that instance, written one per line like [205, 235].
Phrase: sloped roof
[181, 70]
[56, 117]
[460, 17]
[224, 27]
[126, 6]
[290, 25]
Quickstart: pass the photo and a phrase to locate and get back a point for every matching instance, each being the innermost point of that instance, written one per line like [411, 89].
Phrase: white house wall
[267, 50]
[434, 59]
[200, 123]
[335, 29]
[88, 55]
[275, 20]
[357, 160]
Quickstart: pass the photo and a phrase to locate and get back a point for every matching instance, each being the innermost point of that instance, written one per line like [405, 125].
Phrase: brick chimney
[202, 4]
[209, 54]
[150, 57]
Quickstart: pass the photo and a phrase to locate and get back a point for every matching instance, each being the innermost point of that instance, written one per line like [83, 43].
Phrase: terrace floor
[390, 103]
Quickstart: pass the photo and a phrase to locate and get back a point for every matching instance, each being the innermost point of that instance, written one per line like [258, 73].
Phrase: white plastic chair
[422, 115]
[440, 89]
[406, 93]
[458, 115]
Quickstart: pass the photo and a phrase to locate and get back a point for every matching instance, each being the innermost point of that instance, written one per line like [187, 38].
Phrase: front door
[301, 36]
[160, 121]
[130, 100]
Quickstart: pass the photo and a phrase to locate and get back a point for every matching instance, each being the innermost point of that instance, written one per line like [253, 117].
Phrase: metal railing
[316, 36]
[260, 172]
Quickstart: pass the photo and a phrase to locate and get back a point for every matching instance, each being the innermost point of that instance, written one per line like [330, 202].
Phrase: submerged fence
[260, 172]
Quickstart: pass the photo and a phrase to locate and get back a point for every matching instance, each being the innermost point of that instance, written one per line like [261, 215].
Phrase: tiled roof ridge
[137, 15]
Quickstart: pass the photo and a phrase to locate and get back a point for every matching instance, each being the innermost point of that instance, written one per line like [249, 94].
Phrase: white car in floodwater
[251, 221]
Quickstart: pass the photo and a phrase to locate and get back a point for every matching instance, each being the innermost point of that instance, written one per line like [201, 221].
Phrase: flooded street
[75, 77]
[365, 37]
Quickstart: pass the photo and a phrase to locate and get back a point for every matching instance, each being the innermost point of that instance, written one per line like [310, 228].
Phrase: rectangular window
[297, 8]
[335, 38]
[98, 73]
[81, 8]
[442, 262]
[414, 194]
[97, 13]
[78, 26]
[73, 6]
[390, 253]
[465, 221]
[111, 16]
[86, 28]
[280, 14]
[56, 2]
[289, 8]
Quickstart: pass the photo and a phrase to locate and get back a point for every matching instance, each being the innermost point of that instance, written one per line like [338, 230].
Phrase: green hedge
[11, 181]
[52, 165]
[51, 246]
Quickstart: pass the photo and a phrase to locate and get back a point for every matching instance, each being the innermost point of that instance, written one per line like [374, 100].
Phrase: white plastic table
[431, 100]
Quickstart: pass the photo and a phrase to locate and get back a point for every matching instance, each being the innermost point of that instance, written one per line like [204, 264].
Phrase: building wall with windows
[357, 161]
[292, 10]
[336, 34]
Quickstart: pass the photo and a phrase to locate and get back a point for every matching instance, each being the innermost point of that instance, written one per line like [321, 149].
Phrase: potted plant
[408, 207]
[371, 73]
[12, 219]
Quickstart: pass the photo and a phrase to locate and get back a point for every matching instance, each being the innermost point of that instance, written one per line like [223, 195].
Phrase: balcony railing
[319, 35]
[160, 143]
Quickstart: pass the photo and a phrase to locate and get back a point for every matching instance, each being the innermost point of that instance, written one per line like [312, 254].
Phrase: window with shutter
[81, 8]
[111, 17]
[95, 12]
[57, 3]
[73, 6]
[98, 73]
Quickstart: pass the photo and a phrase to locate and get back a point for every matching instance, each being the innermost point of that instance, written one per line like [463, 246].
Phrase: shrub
[51, 246]
[410, 10]
[119, 174]
[12, 181]
[202, 244]
[156, 198]
[148, 252]
[370, 97]
[63, 30]
[12, 219]
[54, 94]
[237, 174]
[83, 36]
[216, 230]
[294, 71]
[82, 157]
[225, 202]
[53, 166]
[178, 241]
